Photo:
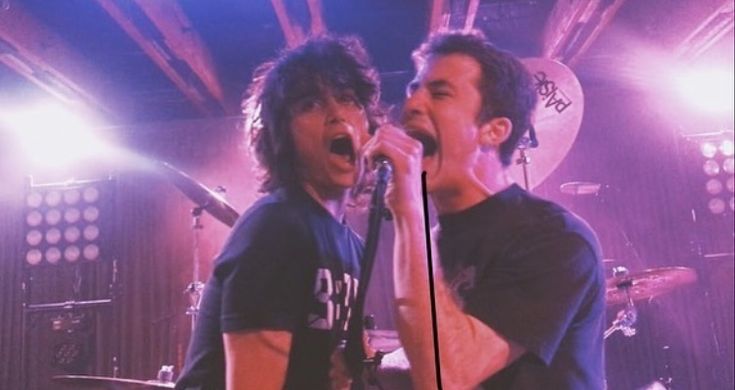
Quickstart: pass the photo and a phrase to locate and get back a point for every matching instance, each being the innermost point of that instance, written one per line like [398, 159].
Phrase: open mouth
[429, 143]
[342, 146]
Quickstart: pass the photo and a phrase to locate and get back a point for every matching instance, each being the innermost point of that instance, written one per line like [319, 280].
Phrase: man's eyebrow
[437, 84]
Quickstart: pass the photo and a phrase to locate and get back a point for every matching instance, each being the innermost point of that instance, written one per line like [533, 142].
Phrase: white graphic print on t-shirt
[335, 298]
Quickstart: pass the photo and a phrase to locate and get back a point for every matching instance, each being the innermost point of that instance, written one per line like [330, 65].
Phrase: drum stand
[194, 289]
[626, 318]
[525, 143]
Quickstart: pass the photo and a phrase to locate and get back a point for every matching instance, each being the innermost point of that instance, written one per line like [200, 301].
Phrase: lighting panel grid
[77, 233]
[716, 167]
[717, 185]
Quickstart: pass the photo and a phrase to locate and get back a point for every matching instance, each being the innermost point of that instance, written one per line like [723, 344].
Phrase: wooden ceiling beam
[707, 33]
[293, 33]
[318, 27]
[165, 34]
[185, 42]
[438, 18]
[573, 25]
[38, 54]
[469, 21]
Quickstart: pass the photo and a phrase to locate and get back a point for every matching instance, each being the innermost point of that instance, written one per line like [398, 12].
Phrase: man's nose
[415, 104]
[334, 111]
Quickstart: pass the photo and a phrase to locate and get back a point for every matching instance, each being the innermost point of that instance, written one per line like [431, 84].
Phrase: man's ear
[494, 132]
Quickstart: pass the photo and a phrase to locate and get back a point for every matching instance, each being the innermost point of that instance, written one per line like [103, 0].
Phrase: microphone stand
[354, 349]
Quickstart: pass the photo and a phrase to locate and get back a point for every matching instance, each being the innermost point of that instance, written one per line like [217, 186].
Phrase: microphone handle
[384, 169]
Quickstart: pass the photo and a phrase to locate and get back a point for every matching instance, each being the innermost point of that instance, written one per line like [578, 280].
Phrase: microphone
[383, 169]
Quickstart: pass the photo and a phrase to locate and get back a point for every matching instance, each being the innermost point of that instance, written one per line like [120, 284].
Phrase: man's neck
[474, 190]
[333, 202]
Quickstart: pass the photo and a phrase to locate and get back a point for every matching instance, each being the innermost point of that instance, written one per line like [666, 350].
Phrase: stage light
[53, 216]
[711, 168]
[53, 254]
[726, 147]
[716, 205]
[91, 194]
[34, 237]
[714, 186]
[708, 149]
[72, 234]
[71, 253]
[72, 215]
[91, 232]
[72, 196]
[709, 90]
[91, 252]
[53, 236]
[729, 165]
[52, 136]
[34, 257]
[716, 156]
[53, 198]
[34, 218]
[34, 200]
[69, 224]
[91, 214]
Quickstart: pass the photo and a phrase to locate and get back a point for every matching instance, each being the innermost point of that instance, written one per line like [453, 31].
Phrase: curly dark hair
[506, 86]
[325, 61]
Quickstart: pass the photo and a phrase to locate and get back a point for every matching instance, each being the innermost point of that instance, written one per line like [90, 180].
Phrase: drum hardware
[103, 382]
[208, 200]
[556, 122]
[577, 188]
[526, 142]
[385, 341]
[194, 289]
[370, 369]
[625, 288]
[625, 318]
[211, 201]
[165, 374]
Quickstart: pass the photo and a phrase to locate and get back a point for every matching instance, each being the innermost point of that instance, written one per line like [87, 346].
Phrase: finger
[391, 142]
[395, 135]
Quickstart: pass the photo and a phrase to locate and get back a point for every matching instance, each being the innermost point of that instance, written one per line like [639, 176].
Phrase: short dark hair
[506, 86]
[324, 61]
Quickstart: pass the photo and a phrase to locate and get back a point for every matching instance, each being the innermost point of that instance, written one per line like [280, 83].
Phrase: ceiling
[139, 61]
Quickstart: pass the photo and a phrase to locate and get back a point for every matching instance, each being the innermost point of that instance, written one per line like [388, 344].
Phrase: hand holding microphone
[392, 152]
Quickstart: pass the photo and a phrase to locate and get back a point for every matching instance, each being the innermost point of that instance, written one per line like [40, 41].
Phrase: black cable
[432, 295]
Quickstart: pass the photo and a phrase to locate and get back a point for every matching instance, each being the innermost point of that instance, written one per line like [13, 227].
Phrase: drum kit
[621, 289]
[557, 121]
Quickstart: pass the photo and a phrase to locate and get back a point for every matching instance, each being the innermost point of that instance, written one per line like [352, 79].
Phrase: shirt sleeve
[263, 273]
[535, 292]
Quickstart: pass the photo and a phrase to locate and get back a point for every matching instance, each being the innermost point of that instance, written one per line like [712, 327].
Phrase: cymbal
[580, 188]
[556, 121]
[108, 383]
[202, 196]
[647, 284]
[383, 340]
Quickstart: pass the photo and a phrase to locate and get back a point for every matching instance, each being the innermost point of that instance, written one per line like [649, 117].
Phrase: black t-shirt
[532, 272]
[287, 265]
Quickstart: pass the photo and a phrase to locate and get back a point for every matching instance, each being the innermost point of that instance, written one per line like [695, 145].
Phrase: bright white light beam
[53, 137]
